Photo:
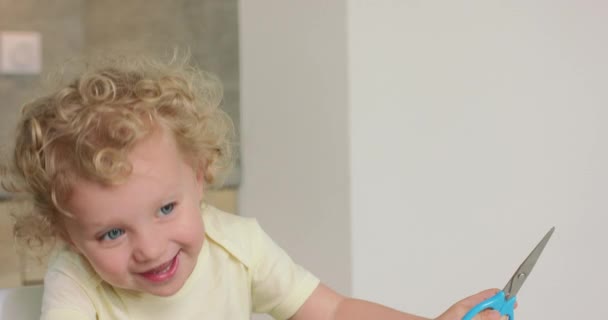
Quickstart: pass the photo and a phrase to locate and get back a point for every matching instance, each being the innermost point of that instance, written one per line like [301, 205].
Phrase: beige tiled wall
[10, 271]
[19, 269]
[224, 199]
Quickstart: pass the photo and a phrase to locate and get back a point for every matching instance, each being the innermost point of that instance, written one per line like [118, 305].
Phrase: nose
[149, 245]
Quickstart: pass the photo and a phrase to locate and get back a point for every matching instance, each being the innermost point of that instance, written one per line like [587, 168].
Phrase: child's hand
[460, 308]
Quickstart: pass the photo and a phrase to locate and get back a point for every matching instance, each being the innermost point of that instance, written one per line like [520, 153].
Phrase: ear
[201, 173]
[66, 238]
[64, 235]
[201, 181]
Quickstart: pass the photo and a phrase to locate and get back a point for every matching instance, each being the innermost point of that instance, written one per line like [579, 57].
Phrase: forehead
[157, 170]
[156, 150]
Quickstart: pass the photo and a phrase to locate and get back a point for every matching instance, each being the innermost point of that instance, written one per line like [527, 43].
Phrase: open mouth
[163, 272]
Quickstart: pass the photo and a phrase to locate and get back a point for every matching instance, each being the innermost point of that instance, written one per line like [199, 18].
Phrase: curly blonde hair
[87, 128]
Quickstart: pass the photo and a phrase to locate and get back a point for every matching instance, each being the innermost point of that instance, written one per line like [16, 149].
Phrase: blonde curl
[86, 129]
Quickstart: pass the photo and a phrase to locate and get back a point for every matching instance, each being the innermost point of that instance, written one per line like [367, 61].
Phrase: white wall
[474, 126]
[295, 170]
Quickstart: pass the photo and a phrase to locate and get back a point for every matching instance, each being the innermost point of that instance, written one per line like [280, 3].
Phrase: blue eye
[113, 234]
[167, 209]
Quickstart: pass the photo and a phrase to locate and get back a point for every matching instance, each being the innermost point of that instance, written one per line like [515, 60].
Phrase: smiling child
[116, 164]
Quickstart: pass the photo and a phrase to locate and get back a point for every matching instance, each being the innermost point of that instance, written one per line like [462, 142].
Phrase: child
[116, 165]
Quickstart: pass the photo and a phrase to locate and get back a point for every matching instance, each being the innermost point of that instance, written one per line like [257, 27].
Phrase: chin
[164, 292]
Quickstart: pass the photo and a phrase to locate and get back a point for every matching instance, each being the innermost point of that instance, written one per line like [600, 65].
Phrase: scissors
[504, 301]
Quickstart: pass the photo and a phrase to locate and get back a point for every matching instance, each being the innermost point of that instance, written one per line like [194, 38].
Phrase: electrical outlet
[20, 52]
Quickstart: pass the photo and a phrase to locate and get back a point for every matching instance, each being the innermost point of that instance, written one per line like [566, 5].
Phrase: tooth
[165, 269]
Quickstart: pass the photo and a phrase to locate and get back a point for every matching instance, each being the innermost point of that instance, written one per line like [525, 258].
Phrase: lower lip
[163, 276]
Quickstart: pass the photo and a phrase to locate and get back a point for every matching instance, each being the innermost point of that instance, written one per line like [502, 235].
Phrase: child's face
[145, 234]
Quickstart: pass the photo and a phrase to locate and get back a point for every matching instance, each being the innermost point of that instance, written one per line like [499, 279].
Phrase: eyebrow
[97, 226]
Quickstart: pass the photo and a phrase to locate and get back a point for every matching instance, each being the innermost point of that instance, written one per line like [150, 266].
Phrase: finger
[489, 315]
[478, 298]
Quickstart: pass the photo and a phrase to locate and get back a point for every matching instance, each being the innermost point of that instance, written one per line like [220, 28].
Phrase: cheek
[195, 231]
[110, 263]
[191, 230]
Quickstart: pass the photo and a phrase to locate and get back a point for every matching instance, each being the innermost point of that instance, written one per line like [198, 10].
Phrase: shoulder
[226, 225]
[236, 234]
[279, 286]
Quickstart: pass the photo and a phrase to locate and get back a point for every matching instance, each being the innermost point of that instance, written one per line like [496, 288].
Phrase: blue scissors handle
[498, 302]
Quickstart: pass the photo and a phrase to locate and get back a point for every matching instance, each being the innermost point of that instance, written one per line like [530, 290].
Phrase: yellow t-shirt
[240, 270]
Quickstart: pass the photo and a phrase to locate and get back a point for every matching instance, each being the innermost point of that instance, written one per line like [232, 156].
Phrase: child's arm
[326, 304]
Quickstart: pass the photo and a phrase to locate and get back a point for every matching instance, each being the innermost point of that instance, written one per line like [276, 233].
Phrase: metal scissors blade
[522, 273]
